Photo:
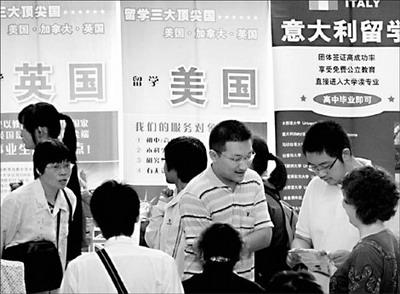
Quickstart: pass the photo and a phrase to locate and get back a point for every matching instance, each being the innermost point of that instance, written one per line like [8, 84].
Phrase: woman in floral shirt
[370, 198]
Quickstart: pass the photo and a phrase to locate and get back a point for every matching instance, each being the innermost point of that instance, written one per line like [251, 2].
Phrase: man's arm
[261, 236]
[301, 239]
[257, 240]
[195, 218]
[152, 233]
[301, 243]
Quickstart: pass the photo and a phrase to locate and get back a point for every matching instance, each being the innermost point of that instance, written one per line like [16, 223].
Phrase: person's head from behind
[293, 282]
[370, 195]
[185, 157]
[52, 162]
[220, 245]
[327, 149]
[278, 176]
[115, 208]
[230, 150]
[41, 121]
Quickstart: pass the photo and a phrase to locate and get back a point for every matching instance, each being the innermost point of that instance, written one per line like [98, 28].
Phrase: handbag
[112, 271]
[42, 264]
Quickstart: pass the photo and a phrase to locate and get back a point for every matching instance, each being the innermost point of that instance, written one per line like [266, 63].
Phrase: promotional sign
[336, 60]
[188, 65]
[64, 53]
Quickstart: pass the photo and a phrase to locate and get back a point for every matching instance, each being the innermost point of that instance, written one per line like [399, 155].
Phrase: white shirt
[165, 231]
[26, 216]
[324, 222]
[142, 270]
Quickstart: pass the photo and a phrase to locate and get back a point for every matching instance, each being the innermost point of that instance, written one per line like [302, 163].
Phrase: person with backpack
[271, 260]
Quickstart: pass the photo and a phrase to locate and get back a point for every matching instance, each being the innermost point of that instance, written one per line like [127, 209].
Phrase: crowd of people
[223, 229]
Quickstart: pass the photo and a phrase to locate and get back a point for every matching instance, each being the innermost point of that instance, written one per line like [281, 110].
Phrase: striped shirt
[206, 199]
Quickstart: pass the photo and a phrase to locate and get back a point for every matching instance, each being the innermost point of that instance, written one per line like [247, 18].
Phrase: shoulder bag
[112, 271]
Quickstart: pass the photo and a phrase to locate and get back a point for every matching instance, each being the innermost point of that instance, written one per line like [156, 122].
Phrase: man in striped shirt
[227, 192]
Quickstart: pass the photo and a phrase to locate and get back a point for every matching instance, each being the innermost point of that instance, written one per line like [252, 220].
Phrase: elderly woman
[370, 198]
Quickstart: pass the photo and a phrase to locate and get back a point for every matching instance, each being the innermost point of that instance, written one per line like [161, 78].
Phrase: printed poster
[188, 65]
[64, 53]
[336, 60]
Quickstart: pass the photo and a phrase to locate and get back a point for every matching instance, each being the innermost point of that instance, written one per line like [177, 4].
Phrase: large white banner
[66, 53]
[186, 66]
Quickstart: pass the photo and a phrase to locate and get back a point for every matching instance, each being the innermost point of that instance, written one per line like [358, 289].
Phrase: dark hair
[186, 155]
[50, 151]
[373, 192]
[228, 131]
[43, 114]
[220, 240]
[278, 176]
[328, 136]
[293, 282]
[115, 208]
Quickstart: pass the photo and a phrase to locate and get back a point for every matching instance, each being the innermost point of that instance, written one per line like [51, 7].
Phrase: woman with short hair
[41, 209]
[370, 197]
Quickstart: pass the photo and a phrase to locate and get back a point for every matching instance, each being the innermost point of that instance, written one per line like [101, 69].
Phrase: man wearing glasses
[323, 223]
[227, 192]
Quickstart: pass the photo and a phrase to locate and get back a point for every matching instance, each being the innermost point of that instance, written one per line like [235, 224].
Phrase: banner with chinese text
[336, 60]
[65, 53]
[186, 66]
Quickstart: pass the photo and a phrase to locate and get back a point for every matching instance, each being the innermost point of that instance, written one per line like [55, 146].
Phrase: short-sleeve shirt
[322, 219]
[141, 269]
[26, 216]
[206, 199]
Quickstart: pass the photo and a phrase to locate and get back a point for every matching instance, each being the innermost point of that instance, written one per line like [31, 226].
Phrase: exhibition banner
[336, 60]
[188, 65]
[65, 53]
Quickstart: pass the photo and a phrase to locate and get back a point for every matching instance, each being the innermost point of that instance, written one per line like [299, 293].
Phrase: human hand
[292, 259]
[245, 253]
[166, 195]
[167, 192]
[83, 179]
[339, 257]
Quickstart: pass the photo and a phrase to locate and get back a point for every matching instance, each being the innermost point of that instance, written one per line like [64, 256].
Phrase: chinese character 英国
[86, 81]
[34, 82]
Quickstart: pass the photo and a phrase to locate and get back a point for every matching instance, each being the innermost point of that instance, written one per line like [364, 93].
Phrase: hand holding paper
[315, 260]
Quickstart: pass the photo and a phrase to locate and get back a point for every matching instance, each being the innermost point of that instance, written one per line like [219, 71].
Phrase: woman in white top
[29, 213]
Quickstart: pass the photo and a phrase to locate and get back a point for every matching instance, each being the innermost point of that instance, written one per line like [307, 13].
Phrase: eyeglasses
[239, 159]
[319, 168]
[60, 166]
